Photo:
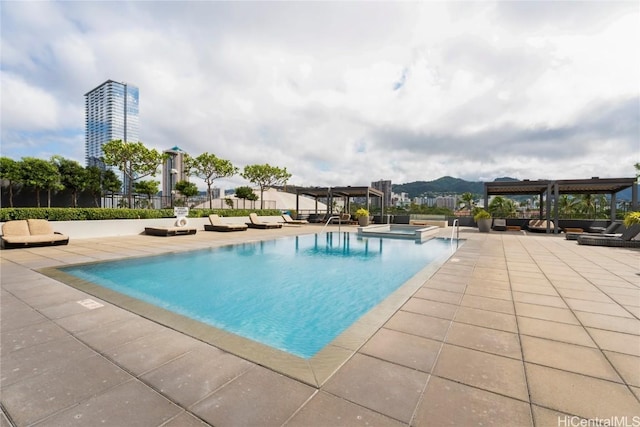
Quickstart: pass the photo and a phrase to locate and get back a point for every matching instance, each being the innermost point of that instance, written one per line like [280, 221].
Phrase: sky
[338, 93]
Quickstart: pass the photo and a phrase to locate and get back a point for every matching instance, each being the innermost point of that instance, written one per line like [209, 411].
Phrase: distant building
[172, 171]
[111, 112]
[450, 202]
[385, 187]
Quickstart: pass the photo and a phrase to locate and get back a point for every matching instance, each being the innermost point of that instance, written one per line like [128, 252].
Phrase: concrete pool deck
[513, 329]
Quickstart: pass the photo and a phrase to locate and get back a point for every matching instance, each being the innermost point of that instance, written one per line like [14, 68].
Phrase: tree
[72, 176]
[246, 193]
[567, 205]
[40, 175]
[133, 159]
[468, 200]
[209, 168]
[265, 176]
[502, 207]
[187, 189]
[10, 172]
[100, 182]
[587, 204]
[147, 187]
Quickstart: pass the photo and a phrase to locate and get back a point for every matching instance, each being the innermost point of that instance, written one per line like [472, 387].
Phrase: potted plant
[483, 218]
[363, 217]
[632, 218]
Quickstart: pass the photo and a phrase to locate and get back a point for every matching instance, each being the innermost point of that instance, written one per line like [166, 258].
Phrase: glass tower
[111, 112]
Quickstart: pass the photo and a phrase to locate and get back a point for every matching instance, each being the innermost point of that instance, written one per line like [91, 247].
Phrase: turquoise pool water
[295, 294]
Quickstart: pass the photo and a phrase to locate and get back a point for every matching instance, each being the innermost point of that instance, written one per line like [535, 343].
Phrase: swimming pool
[295, 294]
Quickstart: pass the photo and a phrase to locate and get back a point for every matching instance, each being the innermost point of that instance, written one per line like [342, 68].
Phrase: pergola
[331, 193]
[553, 189]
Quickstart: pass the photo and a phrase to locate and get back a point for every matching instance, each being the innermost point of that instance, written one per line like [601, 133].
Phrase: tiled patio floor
[513, 329]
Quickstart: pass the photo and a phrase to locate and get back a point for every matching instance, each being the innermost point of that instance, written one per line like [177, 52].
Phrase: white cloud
[341, 93]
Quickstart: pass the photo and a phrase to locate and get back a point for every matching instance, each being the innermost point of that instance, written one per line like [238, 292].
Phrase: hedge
[81, 214]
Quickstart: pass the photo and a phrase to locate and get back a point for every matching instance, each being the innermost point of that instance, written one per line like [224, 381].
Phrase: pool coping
[314, 371]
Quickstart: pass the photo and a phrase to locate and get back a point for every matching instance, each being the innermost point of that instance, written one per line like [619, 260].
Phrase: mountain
[443, 185]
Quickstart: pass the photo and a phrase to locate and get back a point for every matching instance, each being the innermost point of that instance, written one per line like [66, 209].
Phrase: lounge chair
[169, 231]
[288, 220]
[626, 239]
[500, 224]
[540, 225]
[30, 232]
[609, 231]
[256, 222]
[218, 225]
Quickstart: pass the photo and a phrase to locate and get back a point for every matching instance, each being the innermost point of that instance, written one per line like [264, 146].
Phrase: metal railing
[329, 220]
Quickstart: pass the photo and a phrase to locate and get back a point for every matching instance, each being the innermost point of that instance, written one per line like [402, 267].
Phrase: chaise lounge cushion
[31, 232]
[218, 225]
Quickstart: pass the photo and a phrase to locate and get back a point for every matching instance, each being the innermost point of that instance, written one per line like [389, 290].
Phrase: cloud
[339, 93]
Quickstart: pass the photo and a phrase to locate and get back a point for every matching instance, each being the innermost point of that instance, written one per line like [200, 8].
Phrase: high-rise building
[172, 171]
[111, 112]
[385, 187]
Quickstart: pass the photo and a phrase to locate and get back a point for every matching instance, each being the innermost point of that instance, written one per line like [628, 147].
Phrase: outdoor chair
[626, 239]
[218, 225]
[609, 231]
[256, 222]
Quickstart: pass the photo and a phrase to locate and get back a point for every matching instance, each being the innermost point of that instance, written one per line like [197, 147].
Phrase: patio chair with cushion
[218, 225]
[540, 225]
[256, 222]
[288, 220]
[626, 239]
[30, 232]
[609, 231]
[500, 224]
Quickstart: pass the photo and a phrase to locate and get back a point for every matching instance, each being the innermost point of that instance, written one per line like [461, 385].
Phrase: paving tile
[151, 351]
[544, 417]
[117, 333]
[403, 349]
[616, 341]
[485, 339]
[534, 289]
[610, 323]
[19, 316]
[195, 375]
[40, 358]
[595, 295]
[504, 294]
[327, 410]
[43, 395]
[259, 397]
[418, 324]
[483, 370]
[627, 366]
[91, 319]
[439, 295]
[393, 390]
[488, 319]
[430, 308]
[579, 395]
[27, 336]
[478, 283]
[598, 307]
[546, 300]
[545, 313]
[489, 304]
[131, 403]
[564, 356]
[449, 403]
[185, 419]
[563, 332]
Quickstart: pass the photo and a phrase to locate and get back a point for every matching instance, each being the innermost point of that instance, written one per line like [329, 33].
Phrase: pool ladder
[329, 220]
[455, 229]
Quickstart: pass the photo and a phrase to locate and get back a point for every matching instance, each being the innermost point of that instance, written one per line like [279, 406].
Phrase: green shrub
[632, 218]
[481, 214]
[82, 214]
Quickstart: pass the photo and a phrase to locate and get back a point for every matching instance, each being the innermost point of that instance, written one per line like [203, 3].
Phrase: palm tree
[567, 205]
[587, 205]
[467, 199]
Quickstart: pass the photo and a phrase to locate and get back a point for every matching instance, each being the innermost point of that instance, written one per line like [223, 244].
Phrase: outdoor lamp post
[172, 183]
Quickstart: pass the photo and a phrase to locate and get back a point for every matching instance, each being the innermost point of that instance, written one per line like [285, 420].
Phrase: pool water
[295, 294]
